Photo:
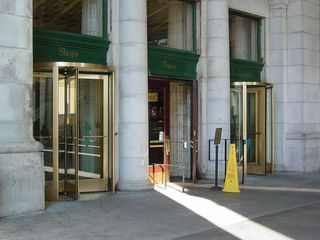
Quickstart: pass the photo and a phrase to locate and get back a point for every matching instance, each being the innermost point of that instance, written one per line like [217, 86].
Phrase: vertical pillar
[21, 163]
[278, 68]
[303, 121]
[218, 76]
[133, 88]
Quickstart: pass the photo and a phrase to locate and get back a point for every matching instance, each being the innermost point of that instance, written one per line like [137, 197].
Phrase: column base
[21, 183]
[134, 185]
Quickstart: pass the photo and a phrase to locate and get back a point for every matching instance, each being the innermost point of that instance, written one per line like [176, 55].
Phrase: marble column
[303, 99]
[218, 76]
[133, 99]
[278, 75]
[21, 163]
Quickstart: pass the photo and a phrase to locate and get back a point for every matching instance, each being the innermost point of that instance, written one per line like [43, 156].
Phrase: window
[244, 37]
[170, 24]
[74, 16]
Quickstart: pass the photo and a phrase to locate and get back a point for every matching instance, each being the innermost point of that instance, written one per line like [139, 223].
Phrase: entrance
[172, 130]
[73, 119]
[252, 120]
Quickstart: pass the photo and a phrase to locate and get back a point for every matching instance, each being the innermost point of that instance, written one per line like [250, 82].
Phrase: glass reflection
[170, 24]
[243, 38]
[74, 16]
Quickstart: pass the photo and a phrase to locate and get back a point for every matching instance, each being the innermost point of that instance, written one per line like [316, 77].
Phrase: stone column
[303, 100]
[21, 163]
[278, 66]
[133, 88]
[218, 78]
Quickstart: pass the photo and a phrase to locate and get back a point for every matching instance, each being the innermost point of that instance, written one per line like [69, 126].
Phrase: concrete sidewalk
[281, 206]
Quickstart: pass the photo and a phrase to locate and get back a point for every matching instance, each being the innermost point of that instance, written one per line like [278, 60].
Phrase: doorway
[172, 130]
[73, 119]
[252, 120]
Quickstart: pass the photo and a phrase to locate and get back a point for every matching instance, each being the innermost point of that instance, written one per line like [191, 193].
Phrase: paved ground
[283, 206]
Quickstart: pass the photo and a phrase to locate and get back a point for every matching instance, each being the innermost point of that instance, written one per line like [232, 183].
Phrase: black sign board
[217, 136]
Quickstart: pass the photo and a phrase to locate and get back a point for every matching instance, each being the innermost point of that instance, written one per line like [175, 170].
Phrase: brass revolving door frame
[244, 88]
[90, 72]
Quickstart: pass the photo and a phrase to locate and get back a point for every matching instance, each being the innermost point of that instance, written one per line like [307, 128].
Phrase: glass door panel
[236, 119]
[43, 123]
[71, 135]
[256, 119]
[92, 128]
[252, 120]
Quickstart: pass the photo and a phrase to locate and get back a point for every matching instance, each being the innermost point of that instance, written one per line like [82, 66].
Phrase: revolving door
[73, 119]
[252, 119]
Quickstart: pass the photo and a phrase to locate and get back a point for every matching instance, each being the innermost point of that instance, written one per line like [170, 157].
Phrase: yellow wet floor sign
[231, 182]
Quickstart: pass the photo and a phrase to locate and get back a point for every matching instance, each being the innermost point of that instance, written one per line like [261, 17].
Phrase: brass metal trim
[251, 84]
[91, 66]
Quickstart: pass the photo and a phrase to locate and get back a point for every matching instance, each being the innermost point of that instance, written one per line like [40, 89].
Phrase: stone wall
[21, 163]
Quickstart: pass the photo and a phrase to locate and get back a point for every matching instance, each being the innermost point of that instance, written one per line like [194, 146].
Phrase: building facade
[98, 95]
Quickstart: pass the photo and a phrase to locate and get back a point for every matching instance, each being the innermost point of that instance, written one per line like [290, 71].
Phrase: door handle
[93, 136]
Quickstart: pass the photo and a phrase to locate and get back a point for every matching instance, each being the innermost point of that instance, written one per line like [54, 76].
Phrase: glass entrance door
[256, 157]
[73, 118]
[70, 130]
[252, 121]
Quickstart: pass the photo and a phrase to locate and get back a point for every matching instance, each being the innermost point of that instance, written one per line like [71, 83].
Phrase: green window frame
[258, 30]
[244, 70]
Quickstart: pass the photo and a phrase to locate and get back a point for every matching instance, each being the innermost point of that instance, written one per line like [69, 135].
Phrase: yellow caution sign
[231, 182]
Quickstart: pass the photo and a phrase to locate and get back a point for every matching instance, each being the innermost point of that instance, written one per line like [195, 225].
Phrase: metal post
[243, 141]
[165, 164]
[225, 158]
[183, 169]
[216, 170]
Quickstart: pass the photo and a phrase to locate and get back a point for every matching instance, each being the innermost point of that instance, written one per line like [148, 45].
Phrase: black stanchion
[217, 140]
[216, 187]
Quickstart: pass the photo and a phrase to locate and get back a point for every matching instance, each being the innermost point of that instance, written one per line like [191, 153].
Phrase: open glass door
[256, 132]
[71, 134]
[252, 121]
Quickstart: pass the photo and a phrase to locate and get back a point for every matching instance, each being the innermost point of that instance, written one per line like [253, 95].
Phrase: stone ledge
[134, 185]
[20, 147]
[303, 136]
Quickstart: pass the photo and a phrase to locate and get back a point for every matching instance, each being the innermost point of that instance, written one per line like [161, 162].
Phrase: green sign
[53, 46]
[245, 71]
[169, 62]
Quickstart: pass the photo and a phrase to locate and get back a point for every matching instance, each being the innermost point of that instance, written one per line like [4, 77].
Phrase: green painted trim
[259, 41]
[244, 70]
[194, 26]
[172, 63]
[55, 46]
[243, 14]
[104, 19]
